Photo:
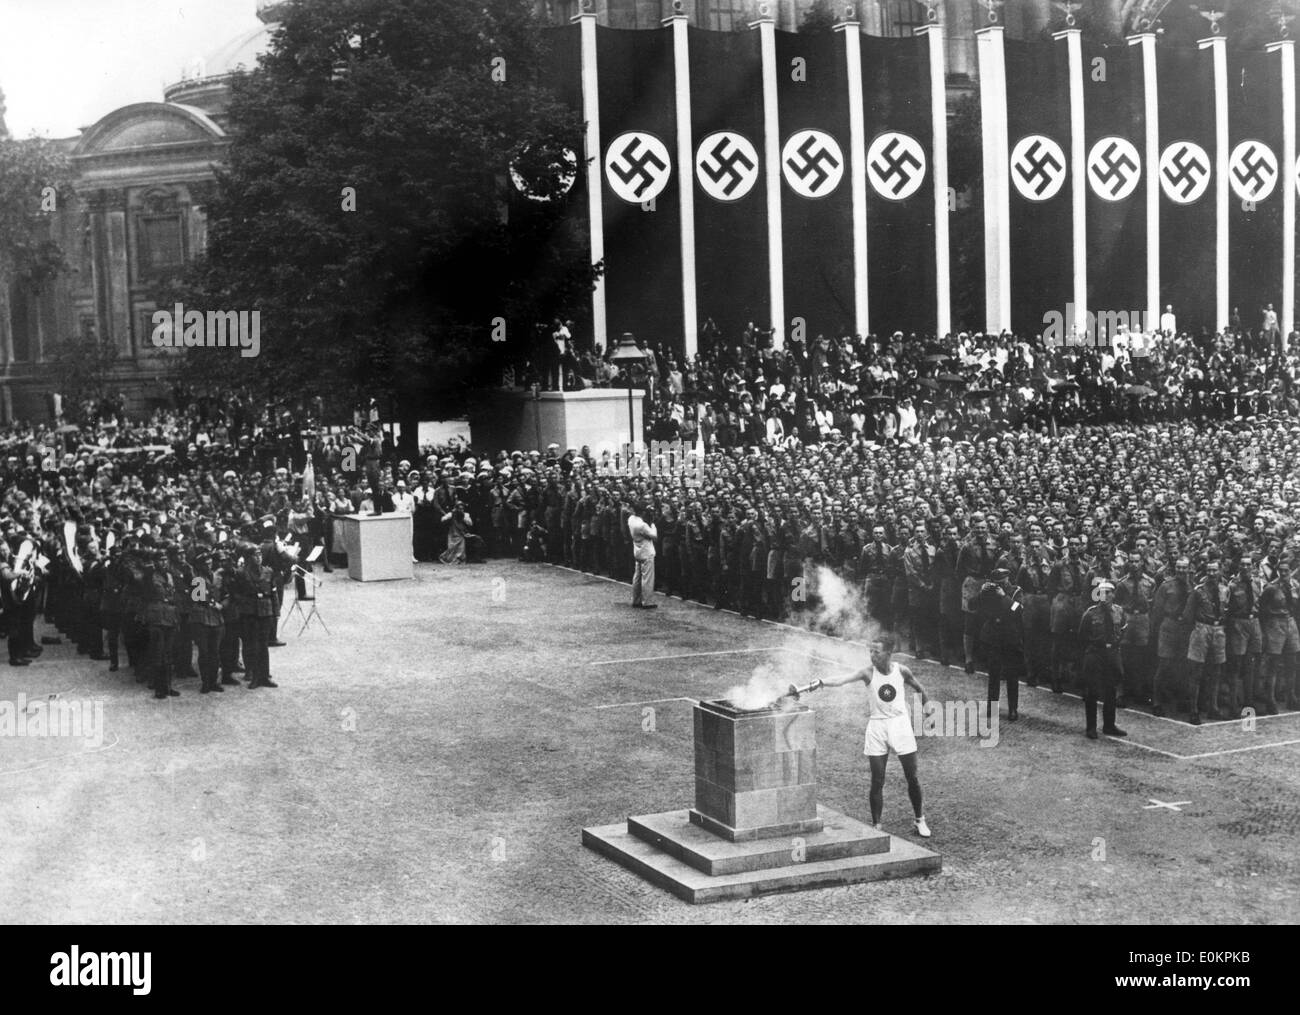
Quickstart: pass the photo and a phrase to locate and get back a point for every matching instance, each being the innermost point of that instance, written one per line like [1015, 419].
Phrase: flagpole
[595, 210]
[939, 129]
[766, 29]
[851, 28]
[1218, 47]
[997, 198]
[1078, 170]
[677, 22]
[1150, 95]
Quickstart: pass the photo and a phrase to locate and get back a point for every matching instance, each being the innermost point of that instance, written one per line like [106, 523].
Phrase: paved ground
[435, 757]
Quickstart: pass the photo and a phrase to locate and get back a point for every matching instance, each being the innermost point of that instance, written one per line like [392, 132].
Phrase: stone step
[616, 842]
[677, 833]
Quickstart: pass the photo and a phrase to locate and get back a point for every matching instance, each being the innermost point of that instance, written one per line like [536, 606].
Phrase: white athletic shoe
[922, 829]
[877, 827]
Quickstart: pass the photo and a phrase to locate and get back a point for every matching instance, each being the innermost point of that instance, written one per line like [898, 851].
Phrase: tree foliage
[819, 18]
[396, 108]
[33, 181]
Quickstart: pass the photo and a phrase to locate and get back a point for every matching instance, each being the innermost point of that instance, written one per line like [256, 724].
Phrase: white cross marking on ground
[1155, 804]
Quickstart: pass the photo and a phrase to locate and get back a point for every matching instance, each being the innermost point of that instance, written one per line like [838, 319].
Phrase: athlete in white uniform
[889, 725]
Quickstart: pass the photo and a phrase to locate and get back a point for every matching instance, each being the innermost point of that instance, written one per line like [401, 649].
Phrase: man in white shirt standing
[643, 535]
[1168, 323]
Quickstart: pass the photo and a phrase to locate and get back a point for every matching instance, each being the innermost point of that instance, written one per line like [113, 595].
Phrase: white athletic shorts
[882, 734]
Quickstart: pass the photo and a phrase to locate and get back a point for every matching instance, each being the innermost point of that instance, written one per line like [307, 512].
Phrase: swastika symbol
[637, 166]
[887, 692]
[1184, 172]
[812, 163]
[1037, 167]
[1114, 167]
[895, 165]
[1252, 170]
[726, 165]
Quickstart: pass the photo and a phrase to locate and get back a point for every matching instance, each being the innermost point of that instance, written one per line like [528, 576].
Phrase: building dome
[206, 83]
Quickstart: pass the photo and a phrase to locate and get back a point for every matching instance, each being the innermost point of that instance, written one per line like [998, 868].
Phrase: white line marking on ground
[1204, 754]
[685, 655]
[652, 701]
[1239, 750]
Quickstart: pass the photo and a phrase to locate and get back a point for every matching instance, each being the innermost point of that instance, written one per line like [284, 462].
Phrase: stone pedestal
[597, 417]
[756, 826]
[755, 772]
[378, 547]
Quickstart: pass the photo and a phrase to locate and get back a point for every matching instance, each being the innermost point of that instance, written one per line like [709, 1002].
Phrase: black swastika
[725, 160]
[1036, 163]
[638, 163]
[811, 164]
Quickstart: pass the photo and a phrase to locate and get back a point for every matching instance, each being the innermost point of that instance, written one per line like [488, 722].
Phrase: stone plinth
[597, 417]
[755, 771]
[378, 546]
[756, 826]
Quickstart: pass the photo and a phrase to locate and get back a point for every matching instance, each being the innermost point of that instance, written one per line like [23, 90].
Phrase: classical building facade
[142, 176]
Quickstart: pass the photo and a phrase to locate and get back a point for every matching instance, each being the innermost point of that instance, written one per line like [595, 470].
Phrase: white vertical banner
[1286, 53]
[851, 30]
[1218, 47]
[1078, 171]
[595, 210]
[1151, 156]
[997, 194]
[685, 161]
[939, 159]
[772, 175]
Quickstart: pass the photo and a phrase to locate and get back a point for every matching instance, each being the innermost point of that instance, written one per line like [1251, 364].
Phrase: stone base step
[681, 835]
[616, 842]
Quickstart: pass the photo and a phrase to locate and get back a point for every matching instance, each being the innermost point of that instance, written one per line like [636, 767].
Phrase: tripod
[299, 599]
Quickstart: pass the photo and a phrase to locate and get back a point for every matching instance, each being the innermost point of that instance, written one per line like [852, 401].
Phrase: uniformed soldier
[1133, 593]
[1277, 610]
[114, 577]
[922, 593]
[1066, 587]
[1001, 611]
[950, 612]
[9, 577]
[1207, 643]
[876, 571]
[1100, 632]
[975, 563]
[1033, 578]
[1167, 609]
[206, 620]
[231, 633]
[255, 593]
[160, 622]
[1245, 639]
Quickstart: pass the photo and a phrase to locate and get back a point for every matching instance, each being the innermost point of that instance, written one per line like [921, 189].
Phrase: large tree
[33, 181]
[366, 206]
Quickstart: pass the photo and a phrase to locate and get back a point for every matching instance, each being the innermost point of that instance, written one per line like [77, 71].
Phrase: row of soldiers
[1217, 631]
[166, 602]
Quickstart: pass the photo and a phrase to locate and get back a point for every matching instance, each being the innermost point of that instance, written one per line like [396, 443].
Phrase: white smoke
[836, 608]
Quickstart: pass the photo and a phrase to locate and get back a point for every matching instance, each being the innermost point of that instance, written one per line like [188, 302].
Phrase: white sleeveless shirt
[885, 693]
